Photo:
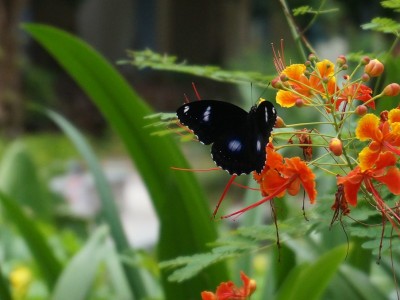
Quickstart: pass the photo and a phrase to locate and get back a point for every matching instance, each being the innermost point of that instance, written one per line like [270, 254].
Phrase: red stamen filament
[263, 200]
[382, 205]
[223, 194]
[391, 148]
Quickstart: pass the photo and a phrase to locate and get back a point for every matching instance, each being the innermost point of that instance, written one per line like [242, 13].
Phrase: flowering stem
[295, 31]
[299, 132]
[299, 145]
[309, 123]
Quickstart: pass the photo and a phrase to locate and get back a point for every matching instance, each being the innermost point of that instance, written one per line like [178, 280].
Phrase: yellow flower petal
[326, 68]
[367, 128]
[394, 115]
[294, 71]
[286, 98]
[367, 158]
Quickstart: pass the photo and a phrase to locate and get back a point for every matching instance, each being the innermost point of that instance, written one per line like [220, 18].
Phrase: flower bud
[283, 77]
[336, 146]
[345, 67]
[392, 89]
[374, 68]
[341, 60]
[299, 102]
[365, 60]
[307, 63]
[361, 110]
[312, 57]
[279, 122]
[365, 77]
[276, 83]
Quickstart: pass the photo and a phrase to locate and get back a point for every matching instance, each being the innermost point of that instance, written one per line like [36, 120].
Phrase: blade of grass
[47, 262]
[5, 292]
[77, 278]
[185, 226]
[311, 281]
[109, 209]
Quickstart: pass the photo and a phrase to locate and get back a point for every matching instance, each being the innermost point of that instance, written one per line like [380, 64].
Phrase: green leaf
[393, 4]
[77, 278]
[47, 262]
[310, 281]
[109, 209]
[302, 10]
[179, 202]
[360, 283]
[385, 25]
[19, 179]
[156, 61]
[5, 292]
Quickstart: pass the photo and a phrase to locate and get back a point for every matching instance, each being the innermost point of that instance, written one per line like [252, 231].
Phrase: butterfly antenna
[223, 194]
[195, 91]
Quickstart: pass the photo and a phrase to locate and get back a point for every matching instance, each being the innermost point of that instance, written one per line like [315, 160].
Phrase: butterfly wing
[242, 150]
[210, 119]
[239, 152]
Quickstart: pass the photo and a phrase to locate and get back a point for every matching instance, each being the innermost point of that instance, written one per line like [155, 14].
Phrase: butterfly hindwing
[239, 153]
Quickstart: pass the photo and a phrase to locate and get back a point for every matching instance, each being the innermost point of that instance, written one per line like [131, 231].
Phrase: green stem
[293, 28]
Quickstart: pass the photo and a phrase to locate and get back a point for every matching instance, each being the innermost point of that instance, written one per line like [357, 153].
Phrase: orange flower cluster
[377, 161]
[228, 290]
[316, 84]
[280, 176]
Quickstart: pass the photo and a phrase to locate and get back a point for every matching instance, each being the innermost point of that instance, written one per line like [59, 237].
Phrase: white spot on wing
[235, 145]
[258, 146]
[185, 110]
[206, 114]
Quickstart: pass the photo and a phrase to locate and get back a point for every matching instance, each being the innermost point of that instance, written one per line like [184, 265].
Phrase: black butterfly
[238, 137]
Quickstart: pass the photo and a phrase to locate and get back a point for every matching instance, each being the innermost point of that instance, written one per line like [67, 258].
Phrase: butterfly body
[238, 137]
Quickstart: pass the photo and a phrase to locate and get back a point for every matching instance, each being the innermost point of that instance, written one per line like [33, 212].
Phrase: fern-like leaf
[392, 4]
[150, 59]
[302, 10]
[385, 25]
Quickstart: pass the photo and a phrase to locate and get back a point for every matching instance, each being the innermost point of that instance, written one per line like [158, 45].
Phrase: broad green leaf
[5, 292]
[19, 179]
[109, 209]
[44, 256]
[77, 278]
[178, 200]
[360, 283]
[310, 281]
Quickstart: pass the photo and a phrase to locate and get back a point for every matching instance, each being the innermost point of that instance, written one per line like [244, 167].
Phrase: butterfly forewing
[209, 119]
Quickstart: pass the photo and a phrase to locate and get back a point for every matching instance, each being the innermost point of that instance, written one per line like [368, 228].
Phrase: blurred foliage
[48, 253]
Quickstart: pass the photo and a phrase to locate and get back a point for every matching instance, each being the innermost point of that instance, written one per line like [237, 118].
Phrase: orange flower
[384, 171]
[384, 135]
[303, 87]
[228, 290]
[355, 91]
[280, 176]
